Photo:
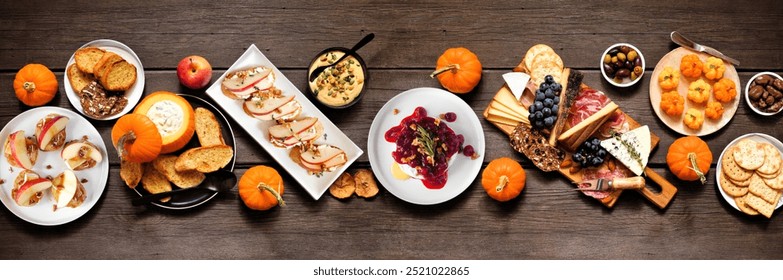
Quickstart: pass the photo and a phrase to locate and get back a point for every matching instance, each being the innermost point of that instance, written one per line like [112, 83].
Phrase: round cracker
[365, 183]
[732, 189]
[774, 183]
[749, 154]
[770, 176]
[744, 183]
[542, 58]
[546, 68]
[772, 160]
[533, 52]
[731, 169]
[343, 187]
[744, 207]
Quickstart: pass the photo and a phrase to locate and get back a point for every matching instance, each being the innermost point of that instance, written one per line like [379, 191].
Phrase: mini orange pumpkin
[689, 158]
[136, 138]
[261, 188]
[458, 70]
[503, 179]
[35, 85]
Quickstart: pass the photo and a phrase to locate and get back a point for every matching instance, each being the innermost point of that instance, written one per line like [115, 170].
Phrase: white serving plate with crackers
[732, 190]
[462, 170]
[259, 130]
[710, 126]
[42, 213]
[133, 94]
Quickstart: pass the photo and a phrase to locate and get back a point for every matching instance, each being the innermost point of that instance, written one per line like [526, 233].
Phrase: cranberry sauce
[427, 144]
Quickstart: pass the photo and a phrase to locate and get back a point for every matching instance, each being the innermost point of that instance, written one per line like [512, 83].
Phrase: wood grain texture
[548, 221]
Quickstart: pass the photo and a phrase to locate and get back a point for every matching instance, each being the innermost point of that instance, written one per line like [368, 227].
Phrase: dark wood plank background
[547, 222]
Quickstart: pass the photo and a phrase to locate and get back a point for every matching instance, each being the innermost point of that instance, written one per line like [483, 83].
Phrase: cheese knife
[678, 39]
[601, 184]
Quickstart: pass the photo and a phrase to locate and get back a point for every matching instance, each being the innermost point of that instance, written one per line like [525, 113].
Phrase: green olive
[621, 57]
[632, 55]
[607, 58]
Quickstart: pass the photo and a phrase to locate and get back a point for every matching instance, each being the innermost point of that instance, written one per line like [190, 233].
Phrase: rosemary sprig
[425, 138]
[631, 150]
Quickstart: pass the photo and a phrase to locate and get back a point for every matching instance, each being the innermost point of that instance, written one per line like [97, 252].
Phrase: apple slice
[64, 188]
[29, 189]
[245, 79]
[267, 106]
[291, 129]
[323, 154]
[335, 161]
[51, 127]
[76, 153]
[18, 144]
[310, 134]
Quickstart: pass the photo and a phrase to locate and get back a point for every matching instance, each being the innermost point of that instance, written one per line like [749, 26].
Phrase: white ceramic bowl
[609, 79]
[747, 97]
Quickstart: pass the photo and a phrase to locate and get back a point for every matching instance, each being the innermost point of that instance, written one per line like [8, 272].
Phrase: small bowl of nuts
[341, 85]
[764, 93]
[622, 65]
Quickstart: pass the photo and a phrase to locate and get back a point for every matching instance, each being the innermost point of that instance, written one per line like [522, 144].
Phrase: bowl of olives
[622, 65]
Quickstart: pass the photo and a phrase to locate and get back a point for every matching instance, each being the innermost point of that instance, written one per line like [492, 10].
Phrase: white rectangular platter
[258, 129]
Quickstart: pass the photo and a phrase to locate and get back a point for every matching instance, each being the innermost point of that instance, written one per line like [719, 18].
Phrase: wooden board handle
[628, 183]
[662, 198]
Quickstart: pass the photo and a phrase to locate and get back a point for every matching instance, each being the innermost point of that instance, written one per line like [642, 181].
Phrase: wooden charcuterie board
[660, 199]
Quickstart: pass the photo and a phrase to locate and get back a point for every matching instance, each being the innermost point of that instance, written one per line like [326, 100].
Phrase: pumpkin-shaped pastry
[136, 138]
[503, 179]
[261, 188]
[672, 103]
[724, 90]
[714, 68]
[689, 158]
[691, 66]
[693, 118]
[35, 85]
[699, 92]
[458, 70]
[669, 78]
[714, 110]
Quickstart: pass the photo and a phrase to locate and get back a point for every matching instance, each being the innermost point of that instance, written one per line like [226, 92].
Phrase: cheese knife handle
[628, 183]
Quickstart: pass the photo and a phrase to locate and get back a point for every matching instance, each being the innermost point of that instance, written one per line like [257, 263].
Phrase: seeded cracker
[731, 169]
[760, 189]
[772, 160]
[757, 203]
[744, 207]
[730, 188]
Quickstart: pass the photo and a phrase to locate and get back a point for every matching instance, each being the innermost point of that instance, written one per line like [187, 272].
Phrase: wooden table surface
[547, 222]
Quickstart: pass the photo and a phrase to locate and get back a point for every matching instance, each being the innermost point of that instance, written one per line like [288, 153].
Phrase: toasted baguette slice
[120, 76]
[78, 79]
[108, 59]
[208, 128]
[154, 182]
[186, 179]
[86, 58]
[204, 159]
[131, 173]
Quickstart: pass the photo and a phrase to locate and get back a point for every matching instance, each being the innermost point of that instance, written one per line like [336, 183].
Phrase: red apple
[30, 188]
[194, 72]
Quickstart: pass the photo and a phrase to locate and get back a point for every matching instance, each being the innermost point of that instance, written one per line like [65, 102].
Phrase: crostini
[67, 190]
[21, 151]
[301, 132]
[245, 83]
[50, 132]
[28, 188]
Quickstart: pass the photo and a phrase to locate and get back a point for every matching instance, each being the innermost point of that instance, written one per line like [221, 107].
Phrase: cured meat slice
[592, 173]
[587, 103]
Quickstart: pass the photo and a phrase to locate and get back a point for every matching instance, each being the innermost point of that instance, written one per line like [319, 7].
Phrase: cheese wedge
[503, 108]
[496, 112]
[505, 97]
[632, 149]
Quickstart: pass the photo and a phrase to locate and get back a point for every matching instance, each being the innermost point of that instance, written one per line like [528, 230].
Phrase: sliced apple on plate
[67, 191]
[243, 83]
[81, 154]
[28, 188]
[50, 132]
[322, 158]
[273, 108]
[21, 151]
[296, 132]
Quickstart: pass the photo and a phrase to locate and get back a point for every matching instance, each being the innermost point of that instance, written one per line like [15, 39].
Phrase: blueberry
[556, 87]
[547, 112]
[549, 93]
[596, 161]
[554, 108]
[549, 122]
[596, 141]
[543, 86]
[548, 103]
[539, 124]
[578, 157]
[531, 117]
[532, 109]
[601, 153]
[557, 99]
[539, 115]
[538, 105]
[540, 96]
[549, 79]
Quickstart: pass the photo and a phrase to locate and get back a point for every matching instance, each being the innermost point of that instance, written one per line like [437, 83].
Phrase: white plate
[462, 171]
[314, 185]
[41, 213]
[758, 137]
[133, 94]
[710, 126]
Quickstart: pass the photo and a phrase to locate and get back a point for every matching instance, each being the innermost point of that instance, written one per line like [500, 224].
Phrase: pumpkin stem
[695, 168]
[127, 137]
[264, 187]
[29, 87]
[502, 184]
[450, 67]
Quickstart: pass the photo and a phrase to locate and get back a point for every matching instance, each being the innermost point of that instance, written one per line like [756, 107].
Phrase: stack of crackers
[750, 172]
